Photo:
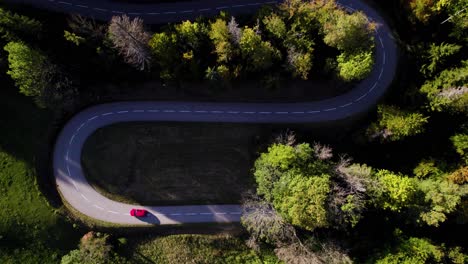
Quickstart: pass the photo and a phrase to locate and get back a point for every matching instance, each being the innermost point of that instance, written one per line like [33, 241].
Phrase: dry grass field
[171, 163]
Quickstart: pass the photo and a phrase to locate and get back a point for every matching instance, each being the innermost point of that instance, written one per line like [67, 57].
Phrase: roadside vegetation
[390, 189]
[275, 51]
[31, 231]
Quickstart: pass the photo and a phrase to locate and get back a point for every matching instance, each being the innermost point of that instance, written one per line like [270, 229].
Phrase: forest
[390, 188]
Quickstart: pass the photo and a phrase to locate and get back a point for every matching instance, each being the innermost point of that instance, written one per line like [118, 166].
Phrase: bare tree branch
[130, 38]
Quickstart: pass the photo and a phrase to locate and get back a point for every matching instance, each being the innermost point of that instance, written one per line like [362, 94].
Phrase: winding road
[70, 178]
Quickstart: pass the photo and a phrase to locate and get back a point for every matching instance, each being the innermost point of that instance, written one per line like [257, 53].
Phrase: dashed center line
[208, 111]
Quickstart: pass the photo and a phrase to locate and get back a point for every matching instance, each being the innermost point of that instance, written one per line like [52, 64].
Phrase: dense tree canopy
[421, 250]
[395, 124]
[14, 27]
[36, 76]
[448, 90]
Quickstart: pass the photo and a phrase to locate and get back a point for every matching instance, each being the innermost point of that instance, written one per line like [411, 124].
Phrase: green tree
[460, 143]
[219, 34]
[423, 10]
[413, 251]
[299, 64]
[193, 34]
[353, 67]
[164, 49]
[348, 32]
[14, 27]
[449, 90]
[302, 200]
[275, 25]
[270, 166]
[437, 56]
[441, 198]
[427, 169]
[73, 38]
[37, 77]
[397, 191]
[258, 54]
[394, 124]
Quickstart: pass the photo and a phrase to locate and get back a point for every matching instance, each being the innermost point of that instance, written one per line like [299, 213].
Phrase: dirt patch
[171, 163]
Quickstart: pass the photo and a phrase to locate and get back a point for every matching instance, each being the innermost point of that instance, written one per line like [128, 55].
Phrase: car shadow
[150, 219]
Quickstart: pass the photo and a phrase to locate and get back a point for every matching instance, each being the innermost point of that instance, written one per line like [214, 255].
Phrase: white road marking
[264, 113]
[381, 72]
[153, 111]
[346, 105]
[74, 184]
[82, 125]
[360, 98]
[281, 113]
[170, 12]
[71, 139]
[84, 197]
[203, 111]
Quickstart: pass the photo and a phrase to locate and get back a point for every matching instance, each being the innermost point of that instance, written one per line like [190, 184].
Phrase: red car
[138, 212]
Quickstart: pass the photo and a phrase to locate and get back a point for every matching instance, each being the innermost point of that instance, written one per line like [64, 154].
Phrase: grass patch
[171, 163]
[198, 249]
[30, 230]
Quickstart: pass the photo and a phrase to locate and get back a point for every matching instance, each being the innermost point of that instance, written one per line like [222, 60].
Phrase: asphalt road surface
[70, 178]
